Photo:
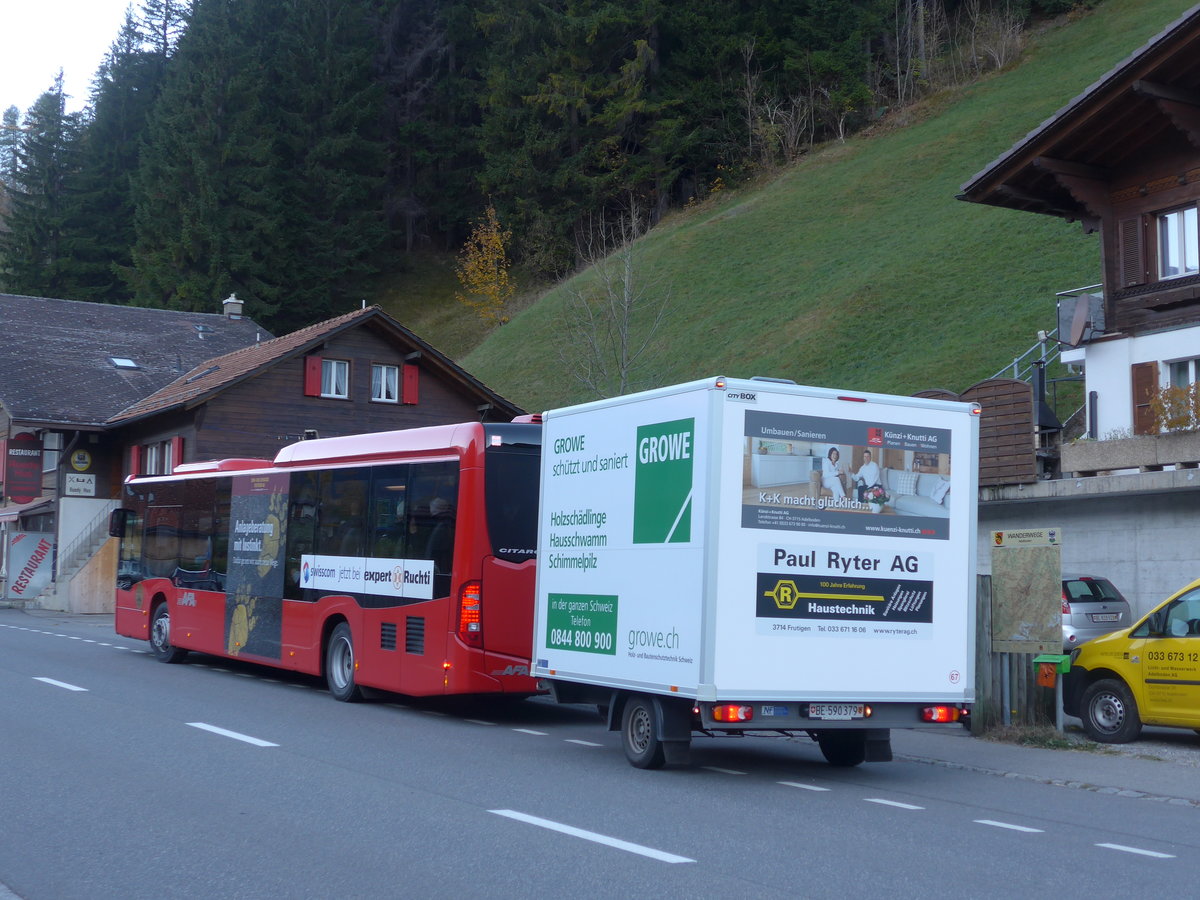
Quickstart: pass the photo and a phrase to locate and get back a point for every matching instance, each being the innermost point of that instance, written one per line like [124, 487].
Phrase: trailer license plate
[835, 711]
[1105, 617]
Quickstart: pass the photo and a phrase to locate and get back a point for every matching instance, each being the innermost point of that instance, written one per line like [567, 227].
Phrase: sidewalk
[1160, 765]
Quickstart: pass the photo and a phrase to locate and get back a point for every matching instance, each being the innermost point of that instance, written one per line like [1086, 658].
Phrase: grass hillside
[856, 268]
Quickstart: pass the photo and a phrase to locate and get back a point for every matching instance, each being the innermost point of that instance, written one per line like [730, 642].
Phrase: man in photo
[867, 474]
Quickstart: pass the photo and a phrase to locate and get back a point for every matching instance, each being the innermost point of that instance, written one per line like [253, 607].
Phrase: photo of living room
[845, 478]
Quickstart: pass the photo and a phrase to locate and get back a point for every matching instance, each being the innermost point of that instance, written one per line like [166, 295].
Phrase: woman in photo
[831, 474]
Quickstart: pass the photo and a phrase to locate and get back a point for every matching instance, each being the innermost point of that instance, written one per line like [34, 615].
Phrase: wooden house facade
[1123, 159]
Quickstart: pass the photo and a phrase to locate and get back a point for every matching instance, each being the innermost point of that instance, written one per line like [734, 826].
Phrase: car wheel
[1110, 713]
[339, 665]
[160, 636]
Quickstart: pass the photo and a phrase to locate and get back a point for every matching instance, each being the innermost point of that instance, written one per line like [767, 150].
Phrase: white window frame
[52, 442]
[335, 379]
[1178, 245]
[1182, 373]
[153, 460]
[385, 383]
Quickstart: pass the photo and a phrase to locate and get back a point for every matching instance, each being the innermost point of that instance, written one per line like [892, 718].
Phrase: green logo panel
[662, 485]
[584, 622]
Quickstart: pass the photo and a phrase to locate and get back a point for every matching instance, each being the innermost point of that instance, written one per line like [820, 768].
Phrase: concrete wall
[1138, 530]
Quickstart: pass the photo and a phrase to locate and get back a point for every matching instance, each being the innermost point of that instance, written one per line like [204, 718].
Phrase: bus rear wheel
[339, 665]
[160, 636]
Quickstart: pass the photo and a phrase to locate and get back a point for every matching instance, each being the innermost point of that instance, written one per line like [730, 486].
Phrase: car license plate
[1105, 617]
[835, 711]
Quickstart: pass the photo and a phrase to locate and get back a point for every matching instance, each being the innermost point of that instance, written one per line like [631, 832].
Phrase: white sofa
[914, 496]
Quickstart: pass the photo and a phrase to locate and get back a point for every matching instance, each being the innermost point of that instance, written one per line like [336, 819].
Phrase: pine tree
[261, 175]
[33, 259]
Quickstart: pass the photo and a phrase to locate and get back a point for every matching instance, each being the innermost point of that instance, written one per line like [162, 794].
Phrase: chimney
[232, 307]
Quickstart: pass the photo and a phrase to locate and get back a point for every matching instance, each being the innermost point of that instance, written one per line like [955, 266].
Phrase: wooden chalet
[1123, 159]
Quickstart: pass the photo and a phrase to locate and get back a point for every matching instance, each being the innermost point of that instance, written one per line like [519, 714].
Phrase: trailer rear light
[941, 714]
[732, 712]
[470, 613]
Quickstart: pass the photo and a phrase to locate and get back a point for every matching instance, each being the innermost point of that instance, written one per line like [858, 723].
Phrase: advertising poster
[807, 473]
[854, 529]
[254, 585]
[30, 564]
[620, 558]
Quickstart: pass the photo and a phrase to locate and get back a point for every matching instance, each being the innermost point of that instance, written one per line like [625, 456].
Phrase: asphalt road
[126, 778]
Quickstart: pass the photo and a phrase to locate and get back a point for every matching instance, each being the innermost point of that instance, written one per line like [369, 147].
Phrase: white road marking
[257, 742]
[592, 836]
[61, 684]
[480, 722]
[1009, 826]
[892, 803]
[721, 771]
[803, 787]
[1136, 850]
[583, 743]
[531, 731]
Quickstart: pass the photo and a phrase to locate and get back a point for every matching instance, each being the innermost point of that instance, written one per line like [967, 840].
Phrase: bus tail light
[732, 712]
[470, 613]
[941, 714]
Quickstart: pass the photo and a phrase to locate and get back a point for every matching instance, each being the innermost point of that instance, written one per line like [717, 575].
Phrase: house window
[51, 450]
[1184, 372]
[1178, 250]
[335, 378]
[385, 383]
[160, 457]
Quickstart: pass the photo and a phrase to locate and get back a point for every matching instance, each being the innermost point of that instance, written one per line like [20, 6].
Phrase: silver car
[1091, 607]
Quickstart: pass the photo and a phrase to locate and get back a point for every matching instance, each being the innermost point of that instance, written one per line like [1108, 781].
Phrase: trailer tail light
[470, 613]
[732, 712]
[941, 714]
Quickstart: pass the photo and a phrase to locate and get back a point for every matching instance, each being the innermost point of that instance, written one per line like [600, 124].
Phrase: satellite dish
[1079, 321]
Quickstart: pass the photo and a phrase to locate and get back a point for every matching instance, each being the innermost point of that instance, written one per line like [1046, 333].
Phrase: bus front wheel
[160, 636]
[339, 665]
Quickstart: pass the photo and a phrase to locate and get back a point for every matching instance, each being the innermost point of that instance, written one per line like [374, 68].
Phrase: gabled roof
[1150, 100]
[218, 374]
[56, 356]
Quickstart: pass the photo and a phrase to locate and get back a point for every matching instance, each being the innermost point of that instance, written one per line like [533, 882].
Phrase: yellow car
[1149, 673]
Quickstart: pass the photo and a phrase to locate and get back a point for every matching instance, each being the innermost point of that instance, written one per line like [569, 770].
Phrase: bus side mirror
[116, 522]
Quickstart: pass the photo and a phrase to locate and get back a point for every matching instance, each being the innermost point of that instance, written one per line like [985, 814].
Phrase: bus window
[431, 523]
[343, 508]
[303, 491]
[511, 500]
[388, 514]
[160, 546]
[129, 565]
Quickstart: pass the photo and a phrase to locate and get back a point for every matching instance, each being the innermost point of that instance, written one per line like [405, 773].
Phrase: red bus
[402, 560]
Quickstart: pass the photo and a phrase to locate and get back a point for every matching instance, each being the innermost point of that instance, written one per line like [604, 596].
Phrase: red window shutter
[312, 376]
[412, 380]
[1132, 252]
[176, 451]
[1145, 383]
[135, 460]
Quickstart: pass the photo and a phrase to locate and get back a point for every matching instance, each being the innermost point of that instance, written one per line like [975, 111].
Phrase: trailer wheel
[639, 734]
[843, 748]
[160, 636]
[339, 665]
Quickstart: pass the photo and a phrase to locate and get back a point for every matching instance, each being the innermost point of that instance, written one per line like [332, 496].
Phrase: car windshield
[1090, 590]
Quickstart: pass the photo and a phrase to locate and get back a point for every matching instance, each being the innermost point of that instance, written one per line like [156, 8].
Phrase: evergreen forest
[300, 153]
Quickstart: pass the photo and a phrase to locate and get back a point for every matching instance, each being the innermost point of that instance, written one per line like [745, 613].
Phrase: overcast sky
[43, 36]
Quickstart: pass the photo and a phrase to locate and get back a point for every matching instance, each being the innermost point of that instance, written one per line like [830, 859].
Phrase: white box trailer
[701, 570]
